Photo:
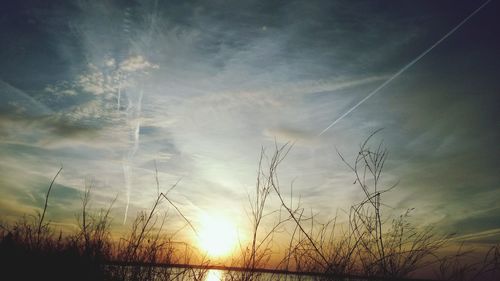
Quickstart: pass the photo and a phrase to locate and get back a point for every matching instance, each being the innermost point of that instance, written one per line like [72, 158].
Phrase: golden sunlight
[218, 236]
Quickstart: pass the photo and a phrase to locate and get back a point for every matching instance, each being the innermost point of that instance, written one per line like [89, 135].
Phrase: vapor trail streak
[126, 164]
[410, 64]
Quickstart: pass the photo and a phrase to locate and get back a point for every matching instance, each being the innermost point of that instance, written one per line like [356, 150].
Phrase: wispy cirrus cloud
[198, 88]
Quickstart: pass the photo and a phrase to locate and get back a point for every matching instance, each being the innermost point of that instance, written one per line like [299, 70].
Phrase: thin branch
[46, 204]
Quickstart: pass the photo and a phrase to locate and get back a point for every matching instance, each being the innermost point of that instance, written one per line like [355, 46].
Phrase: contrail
[137, 125]
[126, 163]
[36, 107]
[410, 64]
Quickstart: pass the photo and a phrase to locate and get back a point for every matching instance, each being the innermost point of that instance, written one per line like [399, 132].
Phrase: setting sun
[217, 236]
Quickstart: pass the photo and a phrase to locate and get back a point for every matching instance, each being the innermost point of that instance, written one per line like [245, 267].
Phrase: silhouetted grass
[371, 244]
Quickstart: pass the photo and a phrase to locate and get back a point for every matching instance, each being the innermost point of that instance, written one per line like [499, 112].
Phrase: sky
[112, 89]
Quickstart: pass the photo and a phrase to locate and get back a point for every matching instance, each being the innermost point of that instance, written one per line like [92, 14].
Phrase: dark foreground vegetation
[371, 243]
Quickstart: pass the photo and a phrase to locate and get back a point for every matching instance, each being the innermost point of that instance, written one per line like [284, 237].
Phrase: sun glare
[217, 236]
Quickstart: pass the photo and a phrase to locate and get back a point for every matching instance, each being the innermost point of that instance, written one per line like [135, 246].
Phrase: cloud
[136, 63]
[490, 236]
[42, 130]
[17, 102]
[25, 190]
[204, 85]
[288, 134]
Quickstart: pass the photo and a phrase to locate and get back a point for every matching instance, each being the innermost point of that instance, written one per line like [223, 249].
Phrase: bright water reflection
[213, 275]
[185, 274]
[222, 275]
